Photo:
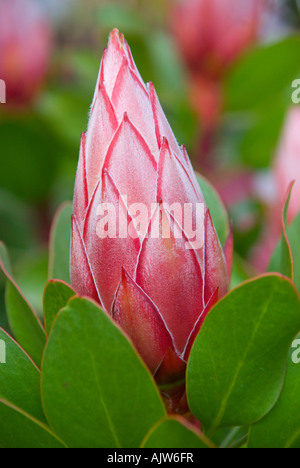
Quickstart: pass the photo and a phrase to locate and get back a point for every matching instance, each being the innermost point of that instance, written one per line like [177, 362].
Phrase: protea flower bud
[160, 267]
[25, 45]
[211, 34]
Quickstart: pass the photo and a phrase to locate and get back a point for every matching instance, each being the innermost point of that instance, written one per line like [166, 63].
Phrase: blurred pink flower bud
[159, 269]
[211, 35]
[286, 169]
[287, 162]
[25, 44]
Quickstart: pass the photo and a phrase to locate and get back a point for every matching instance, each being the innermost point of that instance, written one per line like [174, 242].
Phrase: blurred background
[225, 73]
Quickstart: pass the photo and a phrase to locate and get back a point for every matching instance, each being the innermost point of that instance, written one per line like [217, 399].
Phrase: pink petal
[174, 183]
[191, 172]
[132, 62]
[216, 276]
[109, 254]
[140, 319]
[162, 126]
[170, 275]
[102, 126]
[80, 202]
[212, 301]
[81, 275]
[131, 165]
[112, 61]
[228, 252]
[175, 187]
[130, 96]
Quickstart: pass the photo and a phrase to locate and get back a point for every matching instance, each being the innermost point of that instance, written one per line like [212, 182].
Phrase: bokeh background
[224, 75]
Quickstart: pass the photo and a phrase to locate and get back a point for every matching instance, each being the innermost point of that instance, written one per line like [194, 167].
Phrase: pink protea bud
[211, 35]
[25, 45]
[273, 189]
[160, 267]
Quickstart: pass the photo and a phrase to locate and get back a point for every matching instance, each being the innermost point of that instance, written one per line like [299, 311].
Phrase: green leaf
[31, 274]
[216, 207]
[23, 321]
[262, 74]
[29, 170]
[293, 234]
[282, 261]
[60, 241]
[94, 382]
[56, 296]
[241, 271]
[64, 108]
[237, 364]
[19, 380]
[20, 430]
[4, 258]
[259, 142]
[16, 227]
[281, 427]
[175, 432]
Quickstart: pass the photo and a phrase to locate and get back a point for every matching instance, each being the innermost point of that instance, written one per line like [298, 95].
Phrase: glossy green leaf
[4, 258]
[16, 227]
[216, 207]
[262, 74]
[60, 241]
[293, 235]
[237, 364]
[31, 274]
[20, 430]
[56, 296]
[281, 427]
[241, 271]
[94, 383]
[19, 380]
[282, 260]
[260, 140]
[175, 432]
[23, 321]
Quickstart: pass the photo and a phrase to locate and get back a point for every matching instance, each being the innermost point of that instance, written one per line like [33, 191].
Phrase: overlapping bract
[155, 288]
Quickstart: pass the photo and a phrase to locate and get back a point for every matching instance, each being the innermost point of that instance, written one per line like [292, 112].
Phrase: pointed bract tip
[116, 38]
[126, 119]
[125, 277]
[165, 146]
